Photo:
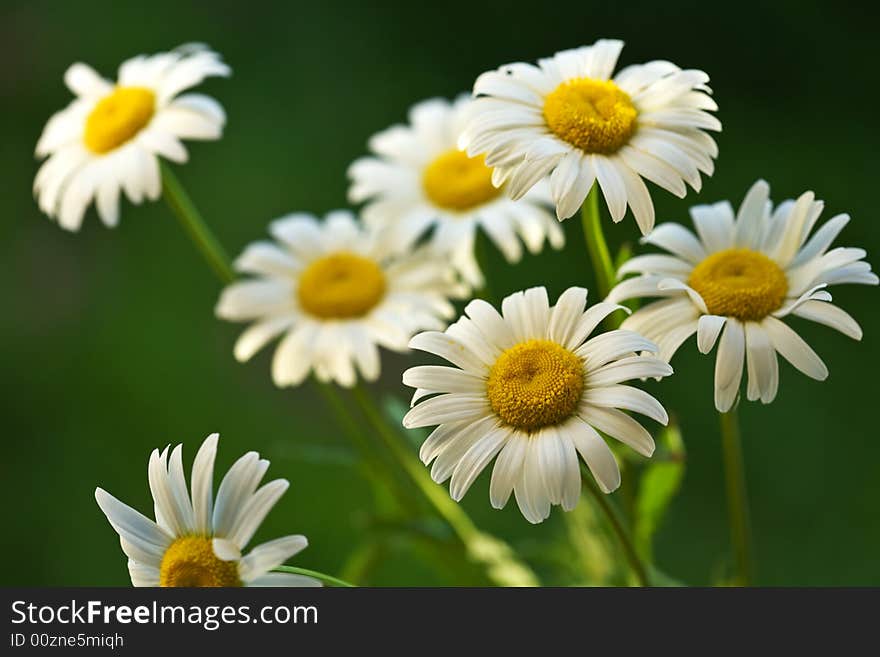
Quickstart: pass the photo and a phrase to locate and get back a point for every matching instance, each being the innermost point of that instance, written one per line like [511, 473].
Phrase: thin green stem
[439, 499]
[327, 579]
[379, 473]
[191, 221]
[500, 563]
[737, 500]
[597, 247]
[623, 536]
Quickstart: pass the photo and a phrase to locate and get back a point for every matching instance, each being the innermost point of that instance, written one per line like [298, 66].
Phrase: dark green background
[110, 347]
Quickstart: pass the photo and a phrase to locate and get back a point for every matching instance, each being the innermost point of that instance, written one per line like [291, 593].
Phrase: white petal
[830, 315]
[749, 219]
[202, 484]
[443, 379]
[596, 454]
[677, 239]
[565, 316]
[708, 329]
[475, 460]
[634, 367]
[629, 399]
[131, 525]
[729, 364]
[254, 512]
[619, 425]
[793, 348]
[449, 348]
[225, 550]
[508, 469]
[447, 408]
[762, 365]
[267, 556]
[143, 575]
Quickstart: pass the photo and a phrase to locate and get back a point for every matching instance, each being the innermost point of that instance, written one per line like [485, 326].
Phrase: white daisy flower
[338, 291]
[569, 118]
[109, 137]
[421, 179]
[739, 279]
[197, 540]
[529, 387]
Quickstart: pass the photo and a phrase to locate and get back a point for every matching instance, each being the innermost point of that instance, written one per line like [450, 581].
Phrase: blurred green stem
[737, 500]
[379, 473]
[191, 221]
[327, 579]
[597, 247]
[623, 536]
[438, 498]
[501, 565]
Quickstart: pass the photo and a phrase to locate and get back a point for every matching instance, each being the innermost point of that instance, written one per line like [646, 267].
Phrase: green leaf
[658, 485]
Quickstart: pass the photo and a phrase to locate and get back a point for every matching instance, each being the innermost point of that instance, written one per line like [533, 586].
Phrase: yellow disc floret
[341, 286]
[535, 384]
[594, 115]
[740, 283]
[454, 181]
[190, 561]
[118, 117]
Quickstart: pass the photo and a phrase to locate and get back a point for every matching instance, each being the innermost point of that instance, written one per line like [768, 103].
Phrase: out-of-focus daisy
[197, 540]
[420, 178]
[338, 291]
[739, 279]
[110, 136]
[529, 387]
[569, 118]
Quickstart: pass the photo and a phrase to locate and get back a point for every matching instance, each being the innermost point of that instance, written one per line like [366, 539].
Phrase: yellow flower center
[594, 115]
[190, 561]
[535, 384]
[454, 181]
[341, 286]
[740, 283]
[119, 117]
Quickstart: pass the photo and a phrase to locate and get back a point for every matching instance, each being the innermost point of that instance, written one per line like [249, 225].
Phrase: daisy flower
[569, 118]
[338, 291]
[420, 179]
[739, 279]
[197, 540]
[108, 138]
[529, 387]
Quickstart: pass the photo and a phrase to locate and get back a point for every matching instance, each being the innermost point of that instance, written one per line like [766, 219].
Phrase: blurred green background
[110, 347]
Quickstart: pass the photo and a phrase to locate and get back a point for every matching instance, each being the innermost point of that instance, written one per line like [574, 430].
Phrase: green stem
[597, 247]
[737, 500]
[191, 221]
[501, 564]
[327, 579]
[378, 472]
[363, 560]
[439, 499]
[623, 537]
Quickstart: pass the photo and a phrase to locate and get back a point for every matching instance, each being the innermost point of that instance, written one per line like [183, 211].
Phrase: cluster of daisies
[533, 387]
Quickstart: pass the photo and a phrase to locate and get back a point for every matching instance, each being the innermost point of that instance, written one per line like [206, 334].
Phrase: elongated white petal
[793, 348]
[618, 425]
[597, 455]
[267, 556]
[830, 315]
[729, 364]
[708, 329]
